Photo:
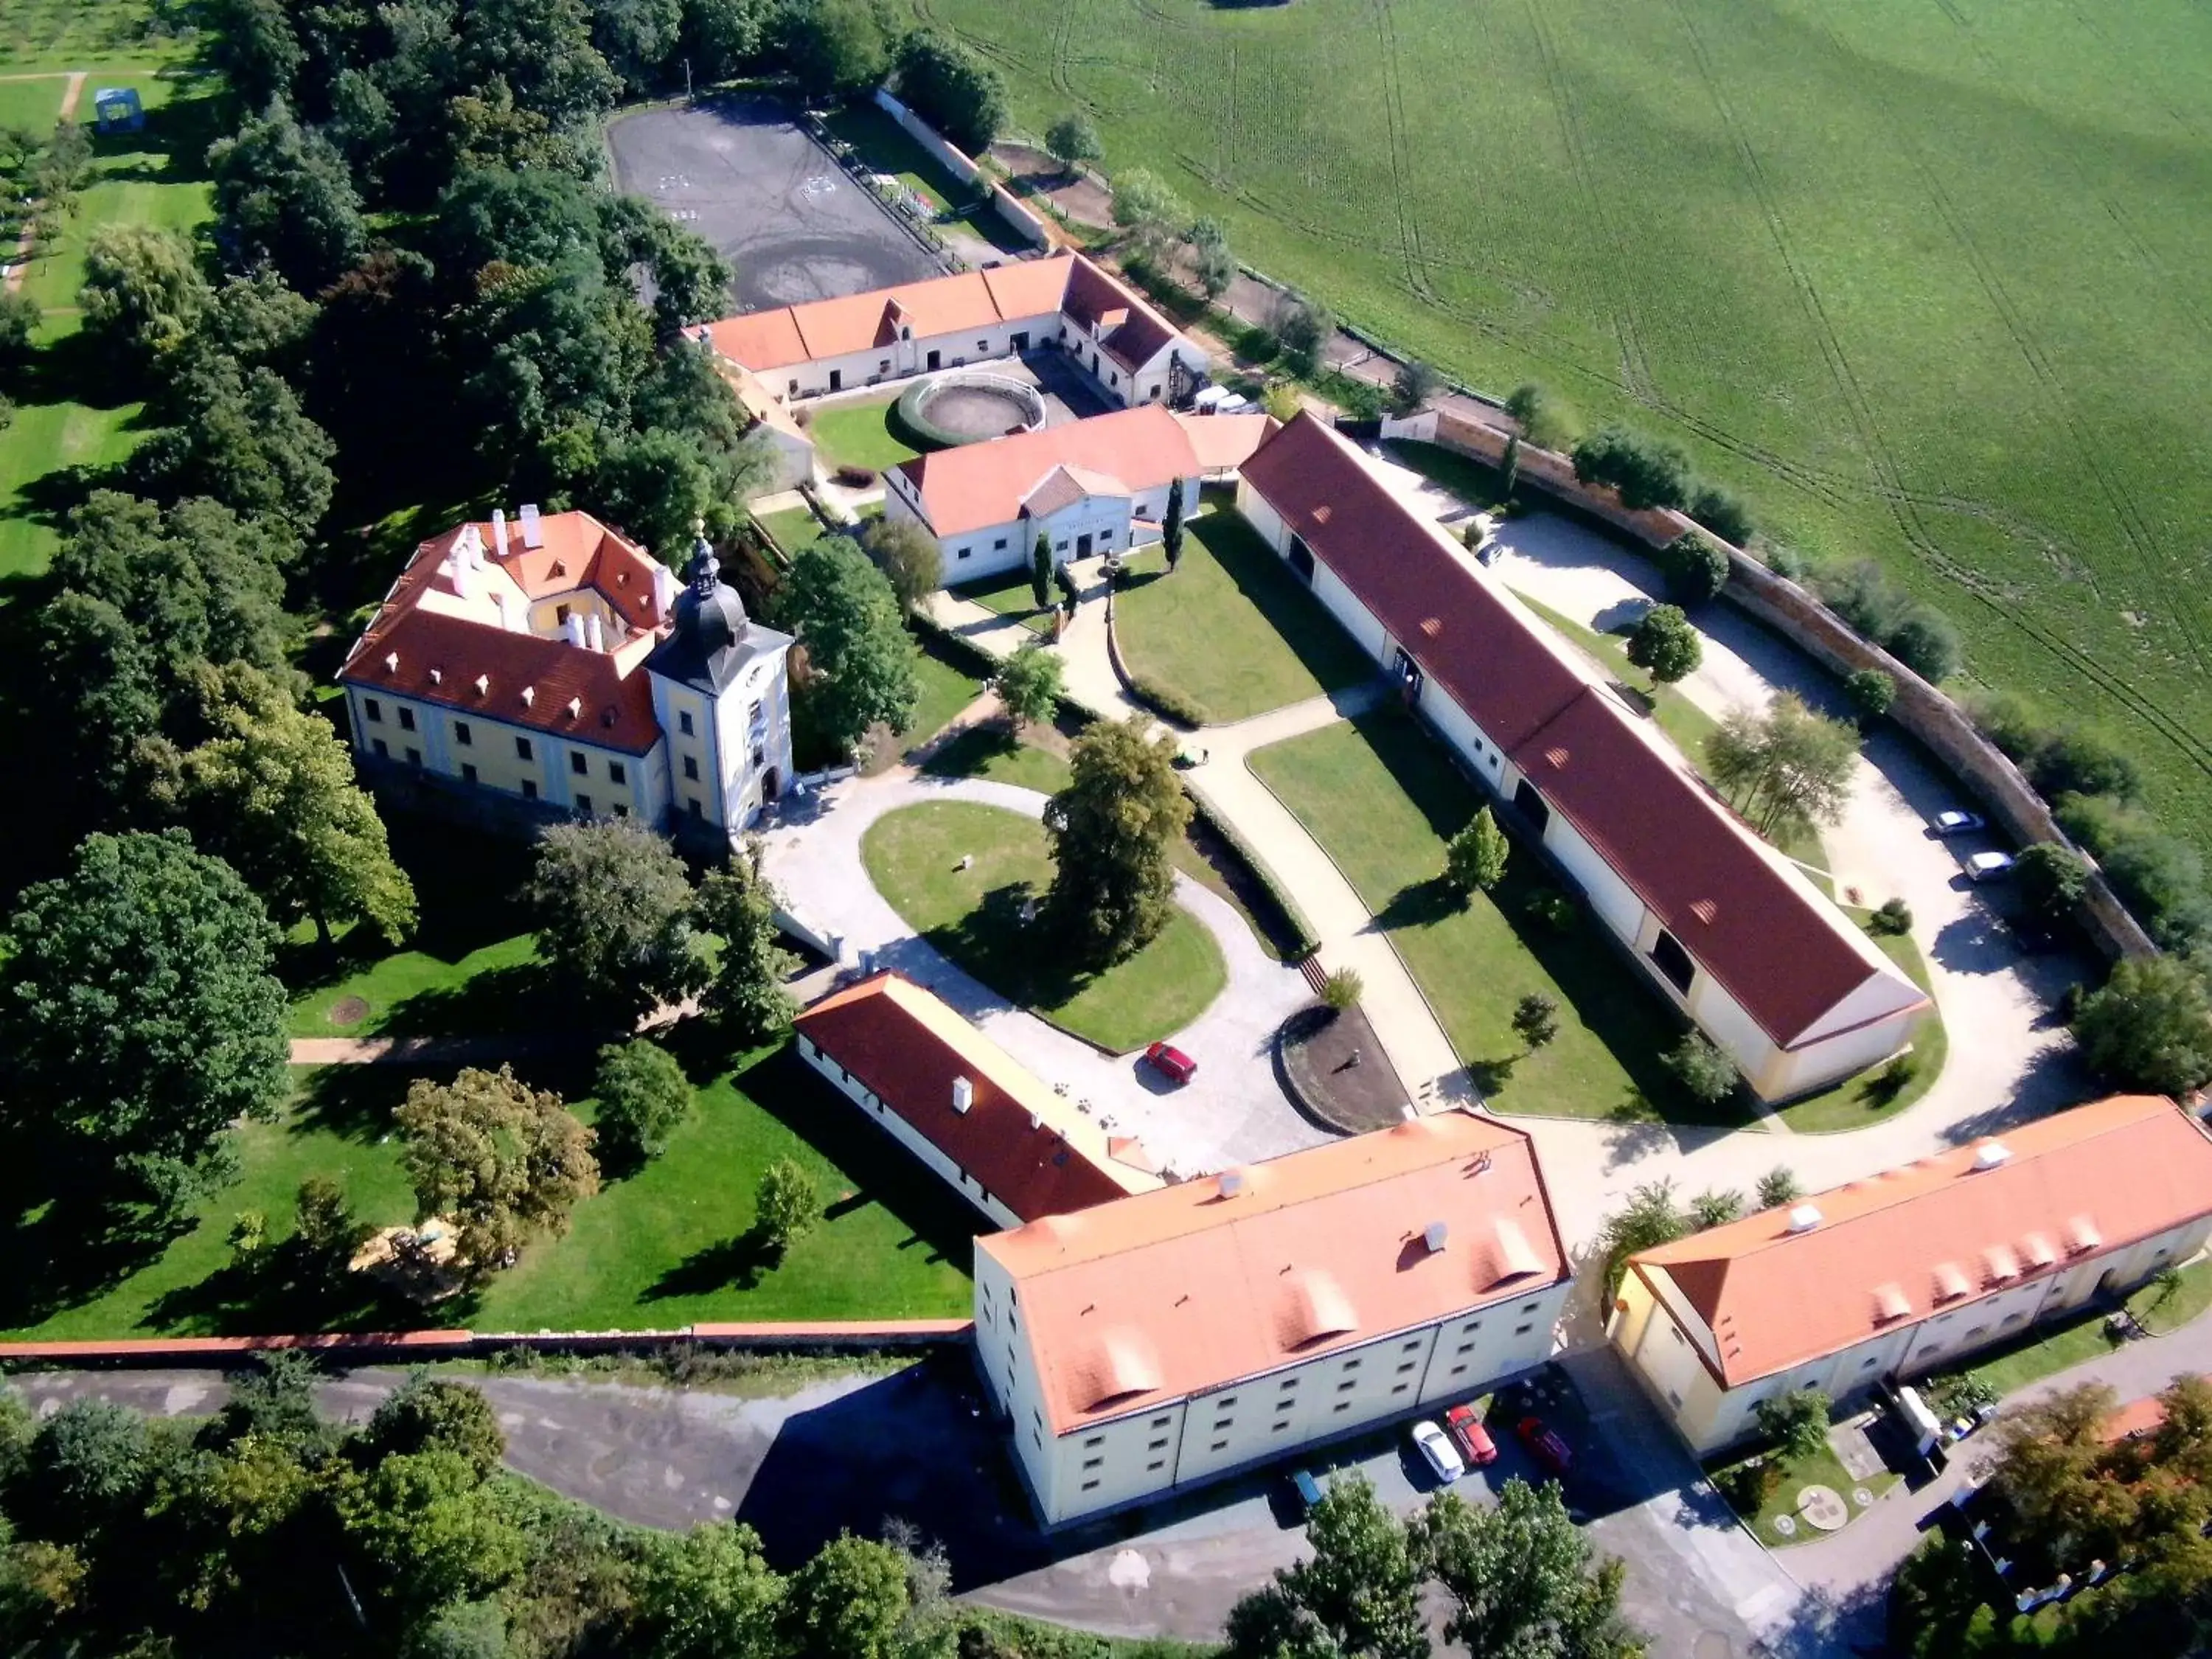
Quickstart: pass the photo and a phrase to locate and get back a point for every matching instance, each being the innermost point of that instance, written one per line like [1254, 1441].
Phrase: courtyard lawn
[1873, 1096]
[671, 1244]
[973, 915]
[861, 435]
[793, 529]
[1232, 628]
[884, 145]
[1823, 1468]
[1903, 274]
[947, 687]
[2083, 1337]
[1008, 594]
[1382, 799]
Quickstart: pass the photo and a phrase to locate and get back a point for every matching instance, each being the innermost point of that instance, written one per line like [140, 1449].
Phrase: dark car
[1474, 1439]
[1545, 1445]
[1171, 1063]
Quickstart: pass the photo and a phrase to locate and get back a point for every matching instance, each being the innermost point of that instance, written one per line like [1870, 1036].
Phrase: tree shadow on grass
[993, 943]
[273, 1295]
[969, 752]
[54, 1256]
[737, 1263]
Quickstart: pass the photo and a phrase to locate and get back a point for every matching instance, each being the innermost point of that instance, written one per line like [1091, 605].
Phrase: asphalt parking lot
[745, 176]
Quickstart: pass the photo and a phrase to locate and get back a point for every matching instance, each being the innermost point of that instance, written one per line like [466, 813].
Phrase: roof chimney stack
[1804, 1218]
[1434, 1236]
[963, 1094]
[498, 531]
[576, 630]
[533, 529]
[1991, 1154]
[663, 591]
[1232, 1182]
[595, 633]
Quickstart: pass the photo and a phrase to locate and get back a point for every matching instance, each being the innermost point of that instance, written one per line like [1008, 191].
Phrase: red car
[1171, 1063]
[1474, 1439]
[1545, 1445]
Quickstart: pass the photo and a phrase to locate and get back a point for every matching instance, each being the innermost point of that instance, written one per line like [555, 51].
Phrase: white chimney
[1434, 1236]
[529, 695]
[663, 591]
[457, 567]
[507, 618]
[576, 628]
[1990, 1153]
[498, 531]
[1232, 1182]
[534, 532]
[595, 635]
[1804, 1218]
[963, 1094]
[1036, 1119]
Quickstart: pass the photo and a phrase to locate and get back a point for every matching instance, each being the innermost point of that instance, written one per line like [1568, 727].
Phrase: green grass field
[885, 146]
[1927, 282]
[861, 435]
[1382, 800]
[973, 915]
[1232, 628]
[67, 34]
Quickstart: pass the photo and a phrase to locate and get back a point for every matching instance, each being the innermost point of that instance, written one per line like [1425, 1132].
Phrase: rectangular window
[1290, 1383]
[462, 734]
[1528, 1307]
[415, 757]
[1156, 1465]
[1090, 1484]
[618, 772]
[1217, 1445]
[1093, 1463]
[963, 551]
[584, 805]
[468, 772]
[1160, 1445]
[373, 710]
[561, 616]
[1401, 1388]
[1407, 1366]
[999, 546]
[690, 769]
[579, 763]
[883, 365]
[529, 790]
[1348, 1385]
[683, 724]
[1094, 1440]
[1277, 1427]
[383, 750]
[620, 811]
[692, 806]
[1352, 1364]
[1414, 1346]
[1459, 1370]
[406, 719]
[1341, 1405]
[523, 750]
[1523, 1330]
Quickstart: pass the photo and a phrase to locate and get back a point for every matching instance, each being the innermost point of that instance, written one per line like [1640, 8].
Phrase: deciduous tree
[1664, 645]
[427, 1413]
[1074, 141]
[1788, 769]
[1112, 829]
[505, 1161]
[1695, 569]
[2150, 1026]
[952, 89]
[1706, 1073]
[1545, 421]
[1536, 1020]
[837, 48]
[1523, 1578]
[1715, 1208]
[2051, 880]
[142, 291]
[1871, 692]
[643, 1095]
[1028, 684]
[745, 997]
[908, 556]
[1796, 1422]
[859, 658]
[140, 1019]
[786, 1204]
[1212, 262]
[849, 1601]
[708, 1594]
[1641, 470]
[1475, 858]
[1415, 383]
[613, 909]
[1779, 1187]
[1650, 1217]
[1357, 1595]
[285, 198]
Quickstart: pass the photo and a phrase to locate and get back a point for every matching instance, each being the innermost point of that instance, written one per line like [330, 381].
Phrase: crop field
[1931, 280]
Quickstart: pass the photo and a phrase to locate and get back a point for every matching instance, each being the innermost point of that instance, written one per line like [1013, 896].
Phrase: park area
[1923, 282]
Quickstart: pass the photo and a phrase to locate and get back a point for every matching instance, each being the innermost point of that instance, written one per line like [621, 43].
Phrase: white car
[1436, 1447]
[1955, 823]
[1988, 866]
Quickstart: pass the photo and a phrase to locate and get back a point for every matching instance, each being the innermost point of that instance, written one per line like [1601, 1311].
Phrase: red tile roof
[1786, 954]
[978, 485]
[433, 643]
[1029, 1146]
[1884, 1250]
[1226, 442]
[1027, 289]
[1190, 1288]
[1780, 949]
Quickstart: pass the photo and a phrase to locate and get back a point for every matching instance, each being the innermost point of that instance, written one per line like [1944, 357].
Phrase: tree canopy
[504, 1161]
[643, 1095]
[1112, 831]
[745, 995]
[612, 905]
[859, 667]
[952, 89]
[1664, 645]
[1028, 684]
[285, 198]
[1786, 769]
[2149, 1025]
[139, 1019]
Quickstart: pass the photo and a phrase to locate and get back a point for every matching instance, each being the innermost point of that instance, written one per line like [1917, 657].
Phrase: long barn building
[1727, 929]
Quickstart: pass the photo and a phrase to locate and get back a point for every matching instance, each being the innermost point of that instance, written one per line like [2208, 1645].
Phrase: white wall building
[1130, 351]
[1893, 1277]
[1724, 927]
[1163, 1340]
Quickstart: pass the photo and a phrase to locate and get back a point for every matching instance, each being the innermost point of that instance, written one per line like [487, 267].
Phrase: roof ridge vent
[1435, 1234]
[963, 1094]
[1803, 1217]
[1232, 1182]
[1991, 1154]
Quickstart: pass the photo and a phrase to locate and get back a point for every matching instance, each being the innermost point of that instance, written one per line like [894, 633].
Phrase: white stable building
[1914, 1268]
[1724, 926]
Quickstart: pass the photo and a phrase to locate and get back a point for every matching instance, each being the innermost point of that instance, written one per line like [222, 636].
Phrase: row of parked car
[1462, 1442]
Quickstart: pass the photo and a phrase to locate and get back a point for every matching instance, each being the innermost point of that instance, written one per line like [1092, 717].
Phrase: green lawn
[1383, 800]
[34, 106]
[990, 751]
[794, 529]
[1232, 629]
[1923, 282]
[947, 688]
[2082, 1337]
[1824, 1468]
[861, 435]
[1008, 594]
[71, 422]
[68, 35]
[973, 915]
[885, 146]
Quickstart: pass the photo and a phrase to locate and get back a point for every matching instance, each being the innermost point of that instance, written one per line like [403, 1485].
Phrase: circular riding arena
[794, 224]
[965, 407]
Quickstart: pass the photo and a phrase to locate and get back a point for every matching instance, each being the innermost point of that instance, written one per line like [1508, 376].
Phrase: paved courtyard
[1233, 1112]
[745, 176]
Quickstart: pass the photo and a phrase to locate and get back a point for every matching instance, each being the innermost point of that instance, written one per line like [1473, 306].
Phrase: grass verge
[2053, 1348]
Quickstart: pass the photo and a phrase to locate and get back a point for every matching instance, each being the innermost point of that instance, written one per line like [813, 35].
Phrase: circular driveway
[1233, 1112]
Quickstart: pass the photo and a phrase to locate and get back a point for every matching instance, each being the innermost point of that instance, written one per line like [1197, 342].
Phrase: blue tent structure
[116, 109]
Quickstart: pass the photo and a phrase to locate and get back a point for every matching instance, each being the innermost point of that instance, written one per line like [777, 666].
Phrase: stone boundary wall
[372, 1347]
[1921, 709]
[958, 162]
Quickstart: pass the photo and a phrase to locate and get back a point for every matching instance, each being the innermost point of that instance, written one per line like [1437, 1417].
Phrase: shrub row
[964, 653]
[1168, 702]
[1648, 472]
[1917, 635]
[1299, 940]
